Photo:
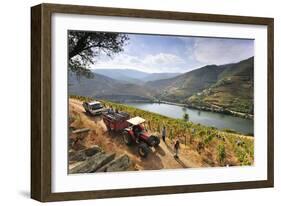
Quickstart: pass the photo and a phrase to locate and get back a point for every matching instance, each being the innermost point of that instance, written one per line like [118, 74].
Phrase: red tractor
[136, 133]
[132, 129]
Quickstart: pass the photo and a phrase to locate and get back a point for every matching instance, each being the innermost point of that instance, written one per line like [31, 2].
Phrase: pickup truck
[94, 108]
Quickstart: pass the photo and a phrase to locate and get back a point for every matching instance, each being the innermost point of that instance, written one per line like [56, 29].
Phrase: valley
[210, 88]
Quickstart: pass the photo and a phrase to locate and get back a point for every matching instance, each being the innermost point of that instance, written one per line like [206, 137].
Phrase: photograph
[156, 102]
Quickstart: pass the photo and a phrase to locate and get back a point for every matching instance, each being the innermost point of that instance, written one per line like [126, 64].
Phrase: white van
[94, 108]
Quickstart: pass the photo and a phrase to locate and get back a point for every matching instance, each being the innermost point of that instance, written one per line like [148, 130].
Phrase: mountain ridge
[234, 89]
[132, 75]
[209, 86]
[104, 87]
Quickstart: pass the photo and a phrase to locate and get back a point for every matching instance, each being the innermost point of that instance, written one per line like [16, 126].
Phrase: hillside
[201, 146]
[106, 88]
[159, 158]
[124, 75]
[185, 85]
[227, 86]
[233, 90]
[133, 76]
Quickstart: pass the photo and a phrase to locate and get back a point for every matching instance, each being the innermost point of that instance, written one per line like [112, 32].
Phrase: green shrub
[221, 153]
[186, 117]
[208, 139]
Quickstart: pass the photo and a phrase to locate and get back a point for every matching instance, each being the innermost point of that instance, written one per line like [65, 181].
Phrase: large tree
[84, 47]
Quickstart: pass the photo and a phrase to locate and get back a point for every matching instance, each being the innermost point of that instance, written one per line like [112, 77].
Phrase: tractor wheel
[157, 141]
[153, 141]
[143, 150]
[127, 138]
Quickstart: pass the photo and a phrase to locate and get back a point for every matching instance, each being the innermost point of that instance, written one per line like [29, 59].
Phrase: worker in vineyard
[164, 134]
[177, 147]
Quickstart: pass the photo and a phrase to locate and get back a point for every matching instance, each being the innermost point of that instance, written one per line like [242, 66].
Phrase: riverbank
[215, 108]
[212, 108]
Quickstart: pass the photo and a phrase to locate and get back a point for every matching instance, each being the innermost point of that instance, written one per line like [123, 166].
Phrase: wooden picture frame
[41, 118]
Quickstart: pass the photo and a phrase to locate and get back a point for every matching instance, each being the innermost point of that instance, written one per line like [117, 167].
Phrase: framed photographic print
[130, 102]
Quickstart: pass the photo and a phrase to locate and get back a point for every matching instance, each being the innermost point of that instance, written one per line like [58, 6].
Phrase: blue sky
[154, 53]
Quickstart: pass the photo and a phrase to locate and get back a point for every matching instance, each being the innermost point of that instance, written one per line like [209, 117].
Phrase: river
[218, 120]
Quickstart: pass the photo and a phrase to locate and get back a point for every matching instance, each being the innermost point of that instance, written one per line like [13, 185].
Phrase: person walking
[164, 134]
[177, 147]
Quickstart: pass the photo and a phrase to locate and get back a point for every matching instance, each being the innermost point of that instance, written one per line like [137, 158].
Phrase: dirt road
[159, 158]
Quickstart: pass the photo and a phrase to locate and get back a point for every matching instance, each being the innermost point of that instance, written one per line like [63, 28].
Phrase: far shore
[214, 108]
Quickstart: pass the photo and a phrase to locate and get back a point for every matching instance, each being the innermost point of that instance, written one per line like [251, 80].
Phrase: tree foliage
[186, 117]
[85, 47]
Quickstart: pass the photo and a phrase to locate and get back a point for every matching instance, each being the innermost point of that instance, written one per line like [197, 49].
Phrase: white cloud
[162, 59]
[222, 51]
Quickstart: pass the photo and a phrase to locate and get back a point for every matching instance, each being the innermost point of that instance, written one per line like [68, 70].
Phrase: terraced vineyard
[215, 147]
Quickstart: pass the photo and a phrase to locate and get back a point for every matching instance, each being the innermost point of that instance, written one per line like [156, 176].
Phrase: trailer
[116, 121]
